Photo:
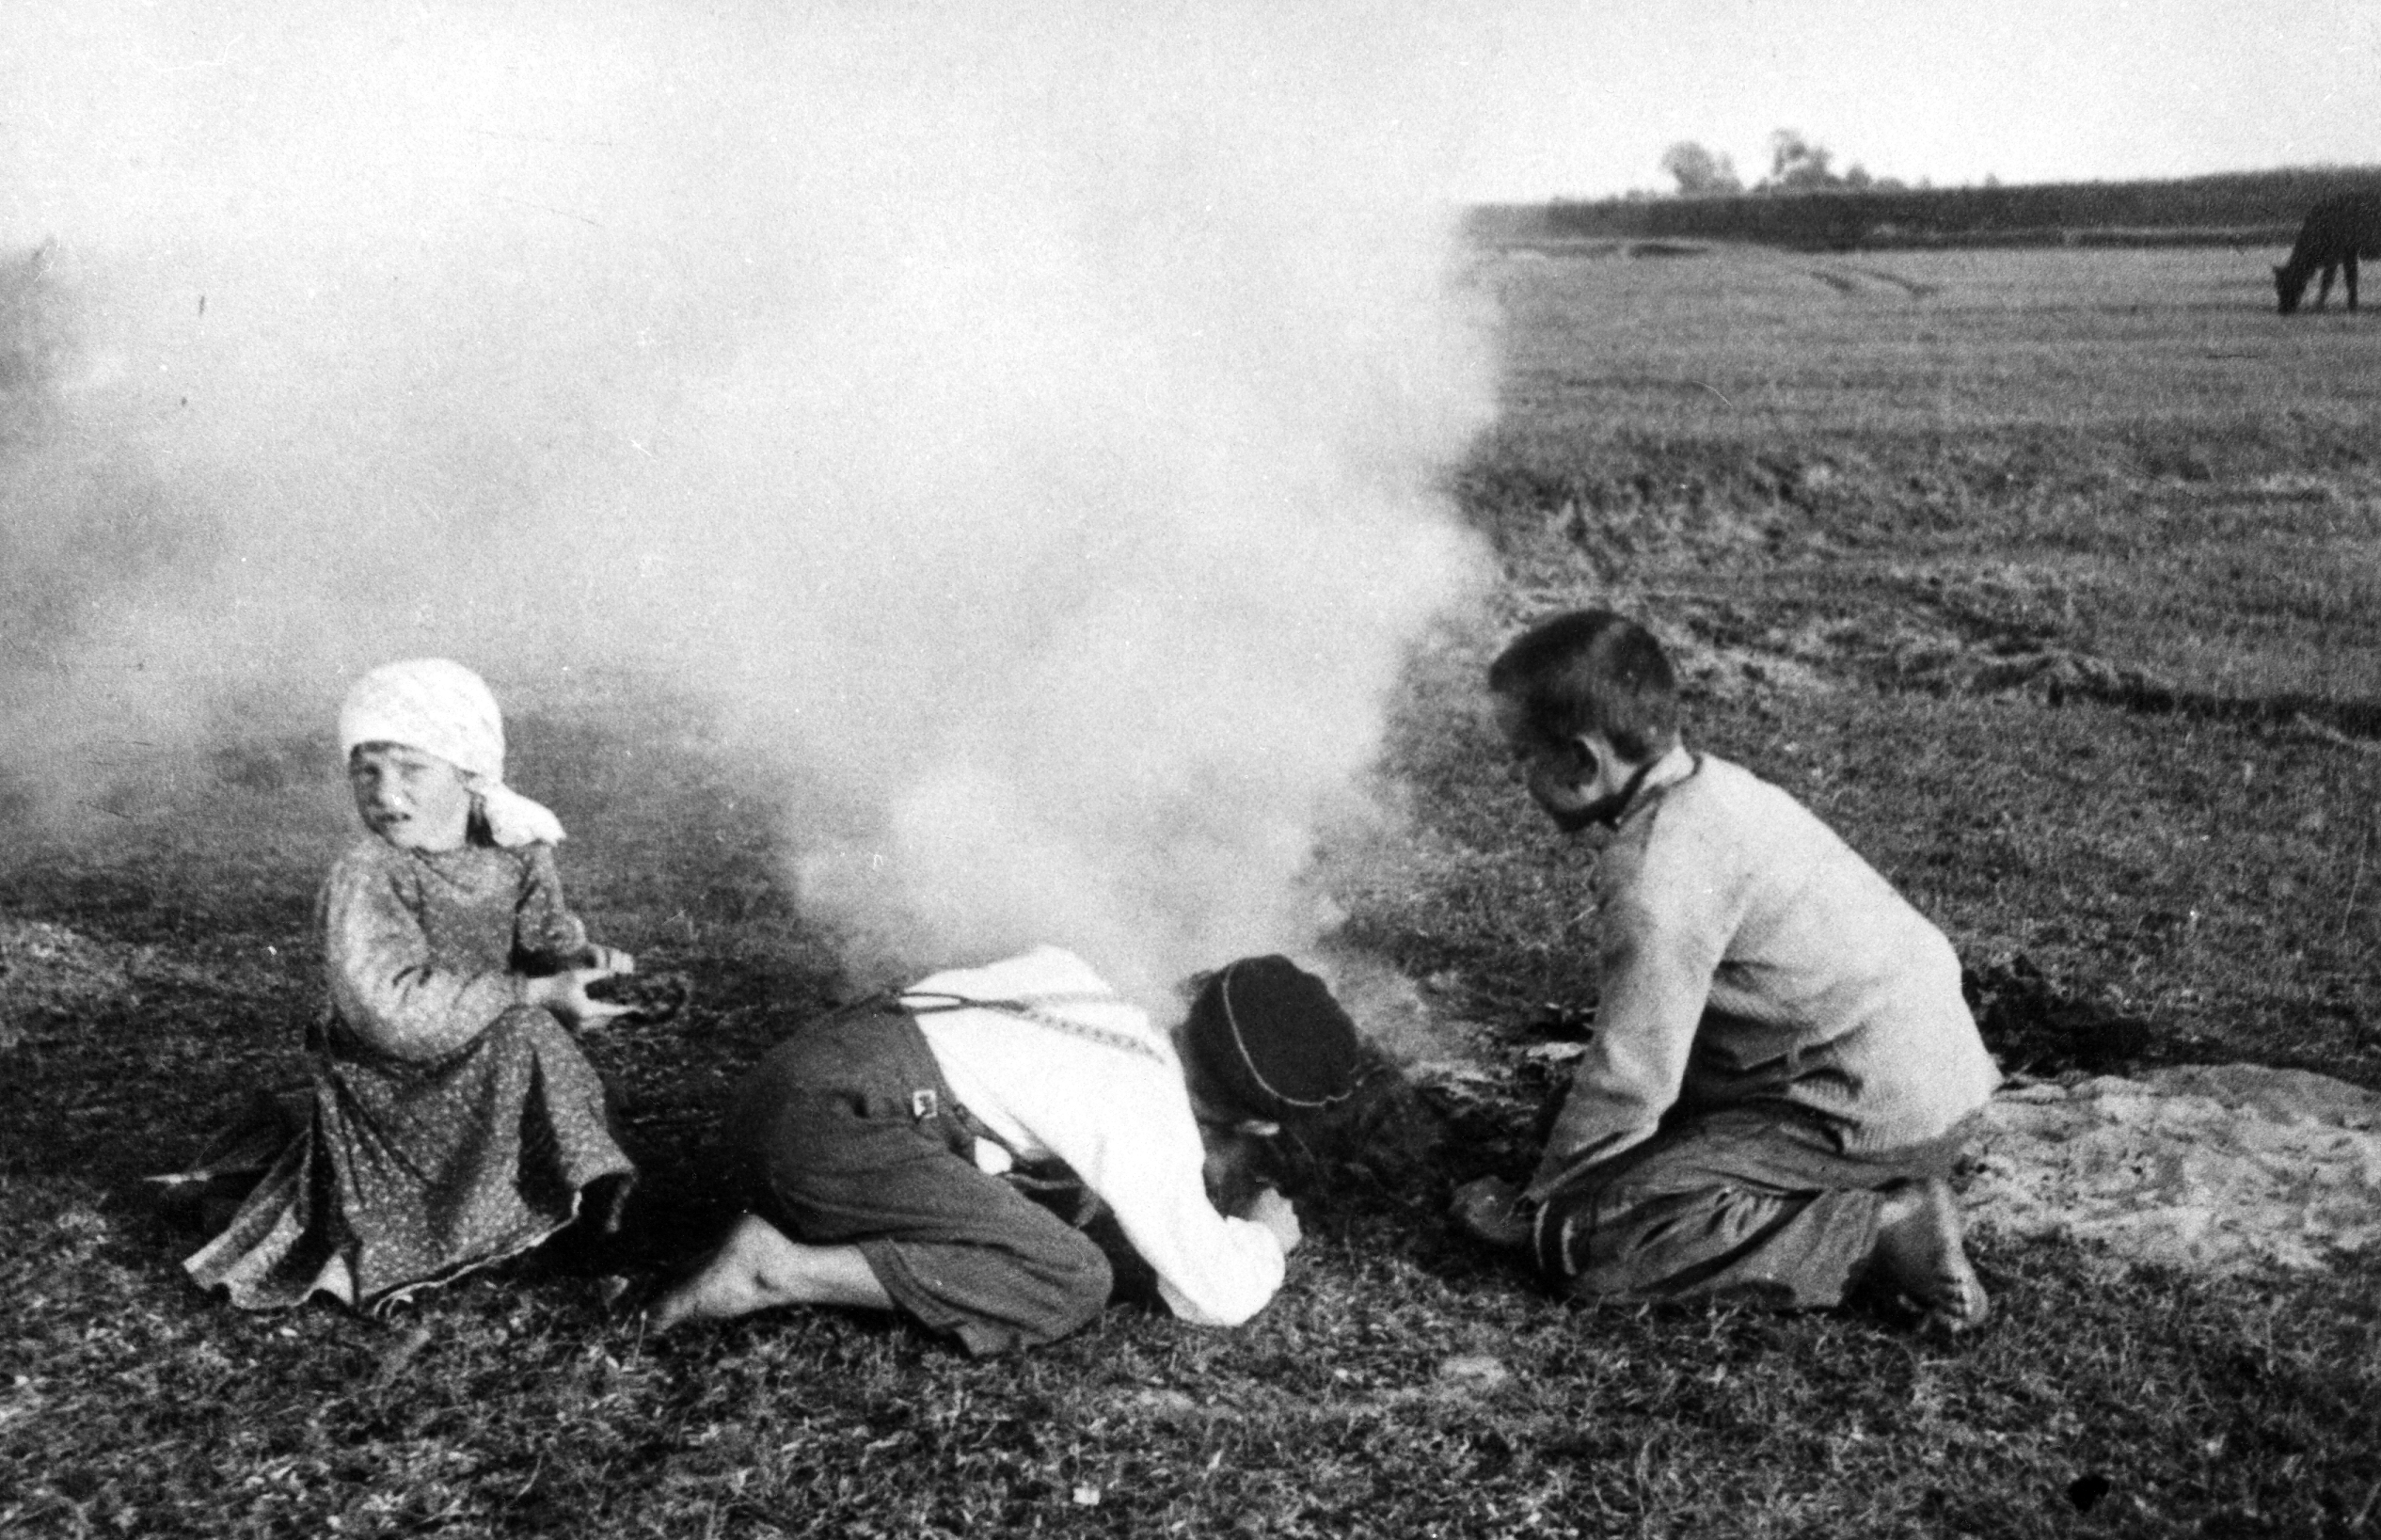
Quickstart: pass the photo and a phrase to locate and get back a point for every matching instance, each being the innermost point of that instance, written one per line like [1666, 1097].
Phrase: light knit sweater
[1749, 956]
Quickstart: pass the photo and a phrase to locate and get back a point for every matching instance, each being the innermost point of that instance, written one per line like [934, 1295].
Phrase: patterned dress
[453, 1125]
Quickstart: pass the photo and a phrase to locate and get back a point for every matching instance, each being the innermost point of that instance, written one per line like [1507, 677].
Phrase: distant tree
[1796, 164]
[1699, 172]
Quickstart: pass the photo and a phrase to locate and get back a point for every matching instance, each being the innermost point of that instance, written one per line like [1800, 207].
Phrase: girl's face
[414, 801]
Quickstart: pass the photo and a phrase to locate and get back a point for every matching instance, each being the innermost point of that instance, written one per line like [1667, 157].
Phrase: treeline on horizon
[2239, 208]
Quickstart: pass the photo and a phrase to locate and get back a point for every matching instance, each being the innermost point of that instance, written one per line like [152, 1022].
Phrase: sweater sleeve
[547, 936]
[1668, 910]
[386, 990]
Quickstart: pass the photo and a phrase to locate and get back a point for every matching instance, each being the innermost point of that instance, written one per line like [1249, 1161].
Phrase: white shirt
[1114, 1107]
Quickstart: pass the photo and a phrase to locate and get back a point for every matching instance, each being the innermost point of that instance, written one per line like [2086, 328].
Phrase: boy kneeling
[891, 1154]
[1783, 1066]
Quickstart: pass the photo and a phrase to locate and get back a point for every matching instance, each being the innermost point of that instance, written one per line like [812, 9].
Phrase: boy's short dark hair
[1591, 671]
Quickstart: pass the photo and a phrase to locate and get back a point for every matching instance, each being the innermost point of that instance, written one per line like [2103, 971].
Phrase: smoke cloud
[1023, 422]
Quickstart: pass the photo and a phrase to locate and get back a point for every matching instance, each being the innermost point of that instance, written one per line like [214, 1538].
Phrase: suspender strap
[1033, 1009]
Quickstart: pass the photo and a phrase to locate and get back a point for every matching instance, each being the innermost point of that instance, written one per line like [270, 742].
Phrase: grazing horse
[2338, 231]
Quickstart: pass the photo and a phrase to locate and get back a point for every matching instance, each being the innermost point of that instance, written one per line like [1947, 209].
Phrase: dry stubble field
[2047, 577]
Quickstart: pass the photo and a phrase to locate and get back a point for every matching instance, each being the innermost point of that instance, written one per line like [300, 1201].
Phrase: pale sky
[1582, 99]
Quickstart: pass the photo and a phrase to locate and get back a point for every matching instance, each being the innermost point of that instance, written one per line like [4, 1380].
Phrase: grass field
[2048, 578]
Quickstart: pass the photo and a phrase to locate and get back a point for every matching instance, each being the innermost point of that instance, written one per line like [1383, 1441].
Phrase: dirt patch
[1722, 672]
[2210, 1168]
[1989, 640]
[2056, 675]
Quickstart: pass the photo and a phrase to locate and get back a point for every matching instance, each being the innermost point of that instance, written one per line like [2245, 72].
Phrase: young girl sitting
[454, 1122]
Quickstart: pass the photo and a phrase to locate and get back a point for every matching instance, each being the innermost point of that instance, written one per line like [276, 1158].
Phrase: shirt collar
[1655, 777]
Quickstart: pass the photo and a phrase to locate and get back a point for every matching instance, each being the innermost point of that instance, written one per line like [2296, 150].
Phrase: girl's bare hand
[565, 996]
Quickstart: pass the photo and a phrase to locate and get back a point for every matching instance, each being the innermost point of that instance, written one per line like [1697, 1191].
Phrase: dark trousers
[846, 1133]
[1745, 1202]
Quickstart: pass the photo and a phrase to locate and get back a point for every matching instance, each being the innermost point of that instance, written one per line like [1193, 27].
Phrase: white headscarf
[442, 708]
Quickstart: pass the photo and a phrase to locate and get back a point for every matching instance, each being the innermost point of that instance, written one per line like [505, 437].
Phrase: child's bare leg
[759, 1269]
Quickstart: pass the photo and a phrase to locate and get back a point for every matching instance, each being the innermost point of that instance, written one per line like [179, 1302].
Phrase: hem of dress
[259, 1302]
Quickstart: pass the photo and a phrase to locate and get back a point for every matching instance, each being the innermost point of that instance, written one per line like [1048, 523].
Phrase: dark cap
[1266, 1033]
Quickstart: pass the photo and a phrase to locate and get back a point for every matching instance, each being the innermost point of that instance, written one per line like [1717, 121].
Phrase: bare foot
[1920, 1256]
[728, 1285]
[758, 1269]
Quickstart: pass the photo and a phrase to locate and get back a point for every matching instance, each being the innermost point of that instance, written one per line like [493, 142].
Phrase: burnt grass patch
[2130, 883]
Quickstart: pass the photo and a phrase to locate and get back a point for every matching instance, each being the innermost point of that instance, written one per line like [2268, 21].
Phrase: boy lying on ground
[453, 1122]
[1783, 1065]
[887, 1152]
